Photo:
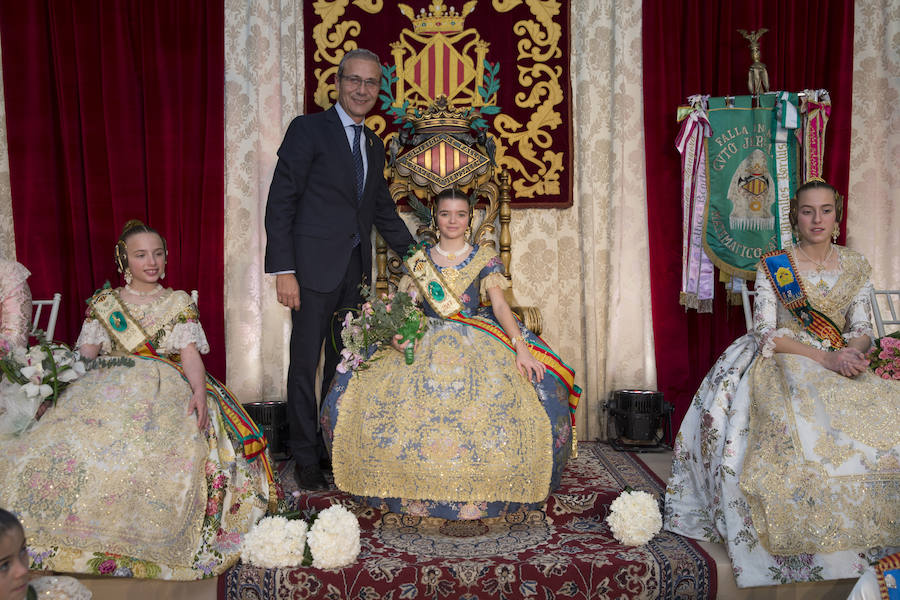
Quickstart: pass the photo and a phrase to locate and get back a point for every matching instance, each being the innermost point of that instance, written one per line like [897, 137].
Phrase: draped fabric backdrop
[7, 233]
[263, 92]
[693, 47]
[583, 266]
[113, 115]
[874, 193]
[587, 266]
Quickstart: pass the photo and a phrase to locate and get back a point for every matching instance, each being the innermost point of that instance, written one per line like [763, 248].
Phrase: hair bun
[132, 224]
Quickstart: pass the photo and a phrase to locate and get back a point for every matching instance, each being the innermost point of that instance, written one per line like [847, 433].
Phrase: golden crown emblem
[440, 116]
[439, 18]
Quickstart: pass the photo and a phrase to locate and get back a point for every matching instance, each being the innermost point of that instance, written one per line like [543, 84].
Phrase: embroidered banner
[508, 60]
[751, 172]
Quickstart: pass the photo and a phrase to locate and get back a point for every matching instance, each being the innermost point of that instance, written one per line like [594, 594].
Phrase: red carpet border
[565, 551]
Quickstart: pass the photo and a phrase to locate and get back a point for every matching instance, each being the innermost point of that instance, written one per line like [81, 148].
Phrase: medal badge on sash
[118, 322]
[782, 273]
[432, 284]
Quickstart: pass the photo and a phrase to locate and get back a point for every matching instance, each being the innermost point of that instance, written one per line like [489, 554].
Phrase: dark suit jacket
[312, 213]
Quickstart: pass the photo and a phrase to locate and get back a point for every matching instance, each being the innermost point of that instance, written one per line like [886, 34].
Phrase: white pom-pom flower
[634, 518]
[334, 538]
[275, 542]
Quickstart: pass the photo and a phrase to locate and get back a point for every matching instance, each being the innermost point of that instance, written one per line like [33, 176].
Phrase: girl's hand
[530, 367]
[401, 348]
[849, 362]
[198, 405]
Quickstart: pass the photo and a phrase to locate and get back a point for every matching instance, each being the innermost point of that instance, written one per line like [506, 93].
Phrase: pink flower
[879, 371]
[387, 307]
[347, 318]
[219, 481]
[212, 506]
[106, 567]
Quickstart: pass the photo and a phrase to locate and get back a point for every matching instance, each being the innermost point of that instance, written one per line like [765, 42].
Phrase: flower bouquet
[329, 541]
[376, 323]
[634, 517]
[30, 377]
[884, 357]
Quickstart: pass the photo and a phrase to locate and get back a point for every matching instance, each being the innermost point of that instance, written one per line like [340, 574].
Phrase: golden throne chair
[437, 149]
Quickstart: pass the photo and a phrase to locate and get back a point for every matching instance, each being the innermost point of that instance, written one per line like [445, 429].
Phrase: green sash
[107, 308]
[431, 283]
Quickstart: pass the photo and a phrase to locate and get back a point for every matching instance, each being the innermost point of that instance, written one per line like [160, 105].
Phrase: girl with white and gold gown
[790, 453]
[146, 466]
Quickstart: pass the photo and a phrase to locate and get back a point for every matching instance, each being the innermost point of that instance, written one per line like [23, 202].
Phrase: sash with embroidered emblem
[887, 571]
[782, 274]
[107, 307]
[431, 283]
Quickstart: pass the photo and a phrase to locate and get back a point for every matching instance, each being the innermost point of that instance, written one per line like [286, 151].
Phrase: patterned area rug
[564, 551]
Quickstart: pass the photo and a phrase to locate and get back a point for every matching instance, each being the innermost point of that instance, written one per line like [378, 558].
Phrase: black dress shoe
[309, 477]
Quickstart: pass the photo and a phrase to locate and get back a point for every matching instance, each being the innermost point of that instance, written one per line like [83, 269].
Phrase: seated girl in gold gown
[146, 466]
[479, 425]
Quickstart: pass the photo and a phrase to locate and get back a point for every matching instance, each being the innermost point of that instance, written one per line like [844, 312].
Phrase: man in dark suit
[327, 191]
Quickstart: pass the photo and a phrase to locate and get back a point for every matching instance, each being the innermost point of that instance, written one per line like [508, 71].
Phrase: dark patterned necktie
[358, 161]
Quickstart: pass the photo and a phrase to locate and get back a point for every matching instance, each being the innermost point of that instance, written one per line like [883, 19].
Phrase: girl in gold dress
[146, 466]
[479, 425]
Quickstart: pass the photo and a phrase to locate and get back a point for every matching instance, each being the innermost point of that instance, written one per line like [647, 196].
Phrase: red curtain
[115, 110]
[693, 47]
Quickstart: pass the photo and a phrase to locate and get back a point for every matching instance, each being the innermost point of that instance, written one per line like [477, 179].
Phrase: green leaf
[490, 110]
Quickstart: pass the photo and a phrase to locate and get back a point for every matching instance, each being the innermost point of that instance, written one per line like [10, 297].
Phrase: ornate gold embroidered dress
[459, 434]
[117, 479]
[795, 467]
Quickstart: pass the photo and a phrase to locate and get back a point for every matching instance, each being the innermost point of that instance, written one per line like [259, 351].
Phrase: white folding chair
[891, 302]
[38, 306]
[746, 296]
[195, 296]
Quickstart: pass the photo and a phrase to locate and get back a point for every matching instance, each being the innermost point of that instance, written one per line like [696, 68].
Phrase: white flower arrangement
[334, 538]
[275, 542]
[634, 517]
[33, 376]
[284, 541]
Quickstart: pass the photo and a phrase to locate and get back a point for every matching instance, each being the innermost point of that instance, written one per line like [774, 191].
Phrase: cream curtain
[263, 92]
[873, 218]
[585, 266]
[7, 236]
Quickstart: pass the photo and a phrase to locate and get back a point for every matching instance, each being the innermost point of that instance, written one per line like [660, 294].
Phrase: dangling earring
[128, 276]
[835, 233]
[469, 232]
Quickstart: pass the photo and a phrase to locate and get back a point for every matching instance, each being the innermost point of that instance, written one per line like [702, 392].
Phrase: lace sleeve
[765, 316]
[859, 315]
[15, 315]
[495, 279]
[92, 332]
[184, 334]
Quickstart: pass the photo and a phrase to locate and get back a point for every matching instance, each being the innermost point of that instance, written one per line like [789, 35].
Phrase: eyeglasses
[355, 81]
